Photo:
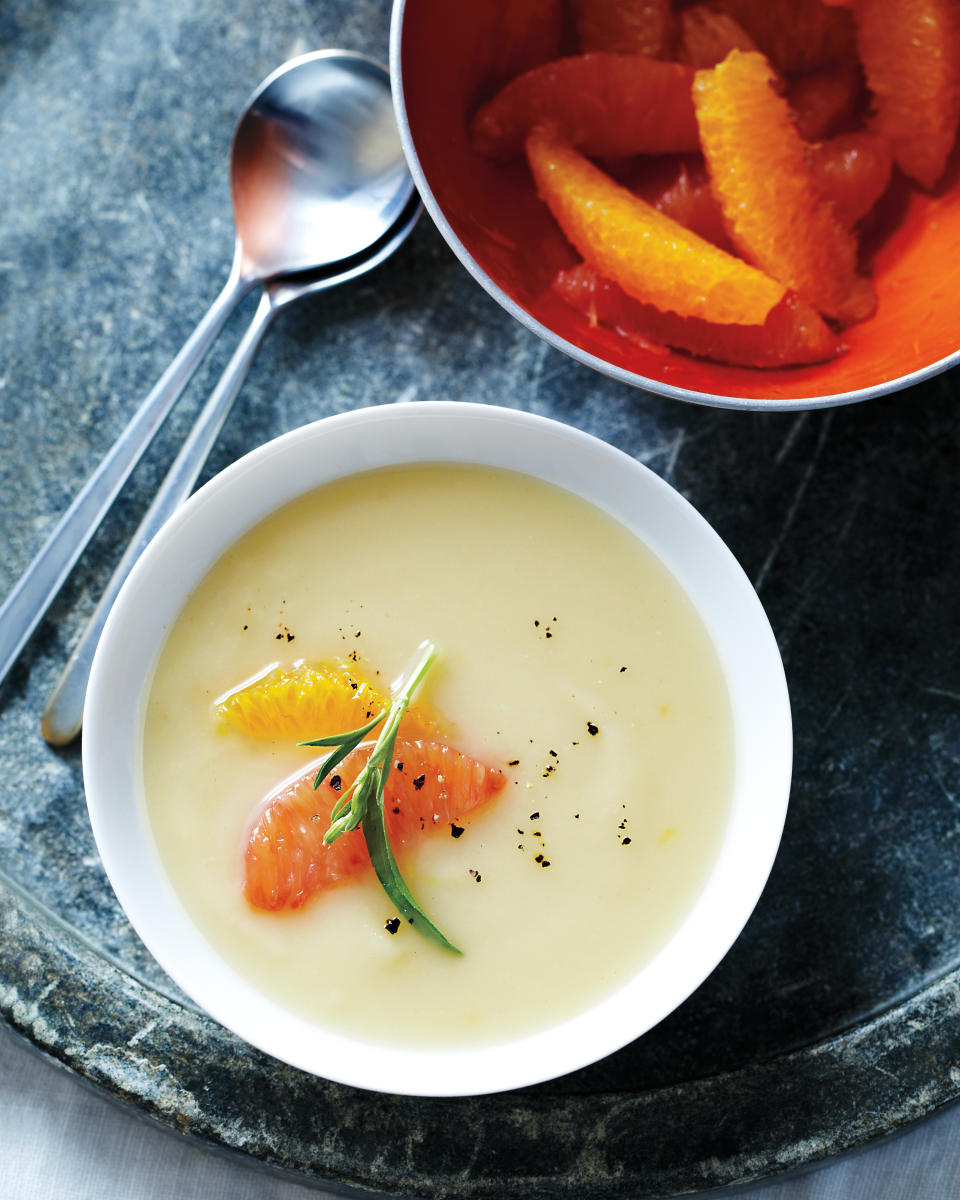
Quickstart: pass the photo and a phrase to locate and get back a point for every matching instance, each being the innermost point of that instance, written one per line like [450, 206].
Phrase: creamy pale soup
[566, 650]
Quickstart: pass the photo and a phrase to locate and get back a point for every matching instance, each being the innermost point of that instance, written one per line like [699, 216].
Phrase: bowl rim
[222, 511]
[632, 378]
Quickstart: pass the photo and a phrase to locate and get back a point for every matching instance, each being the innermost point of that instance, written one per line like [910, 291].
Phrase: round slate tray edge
[181, 1069]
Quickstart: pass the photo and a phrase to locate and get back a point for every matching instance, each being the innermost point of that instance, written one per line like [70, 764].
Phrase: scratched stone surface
[834, 1018]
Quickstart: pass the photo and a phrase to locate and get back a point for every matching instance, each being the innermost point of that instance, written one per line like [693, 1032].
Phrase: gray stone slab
[833, 1020]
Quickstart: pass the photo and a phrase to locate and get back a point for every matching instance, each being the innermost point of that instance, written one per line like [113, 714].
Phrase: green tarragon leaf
[362, 804]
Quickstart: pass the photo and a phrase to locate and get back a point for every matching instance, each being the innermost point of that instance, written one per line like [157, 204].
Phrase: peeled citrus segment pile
[852, 170]
[311, 700]
[625, 26]
[430, 787]
[747, 213]
[910, 51]
[652, 257]
[707, 36]
[792, 333]
[775, 212]
[606, 104]
[795, 35]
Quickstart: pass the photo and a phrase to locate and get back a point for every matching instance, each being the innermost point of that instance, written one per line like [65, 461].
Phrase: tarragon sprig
[362, 804]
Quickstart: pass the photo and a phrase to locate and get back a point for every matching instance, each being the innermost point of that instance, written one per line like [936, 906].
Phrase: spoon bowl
[317, 173]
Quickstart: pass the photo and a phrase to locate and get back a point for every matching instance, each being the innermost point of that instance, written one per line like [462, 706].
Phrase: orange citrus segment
[852, 170]
[625, 26]
[708, 36]
[308, 701]
[430, 787]
[910, 51]
[796, 35]
[793, 333]
[823, 101]
[607, 104]
[652, 257]
[775, 212]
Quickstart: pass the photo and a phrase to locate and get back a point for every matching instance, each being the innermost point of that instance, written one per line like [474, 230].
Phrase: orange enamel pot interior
[447, 58]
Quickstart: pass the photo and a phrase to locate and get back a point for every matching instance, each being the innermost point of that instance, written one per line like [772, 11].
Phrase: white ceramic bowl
[248, 491]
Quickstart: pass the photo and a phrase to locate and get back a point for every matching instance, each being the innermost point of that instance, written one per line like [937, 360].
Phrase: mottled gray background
[841, 996]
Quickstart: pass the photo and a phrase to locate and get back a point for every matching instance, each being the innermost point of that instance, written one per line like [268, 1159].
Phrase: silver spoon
[63, 717]
[318, 177]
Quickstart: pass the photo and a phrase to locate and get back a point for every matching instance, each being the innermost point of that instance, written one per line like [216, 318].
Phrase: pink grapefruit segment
[793, 332]
[606, 104]
[431, 787]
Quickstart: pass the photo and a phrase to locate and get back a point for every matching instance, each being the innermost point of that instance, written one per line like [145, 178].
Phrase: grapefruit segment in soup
[429, 789]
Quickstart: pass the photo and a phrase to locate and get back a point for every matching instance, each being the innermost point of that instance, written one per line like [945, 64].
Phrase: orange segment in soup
[311, 700]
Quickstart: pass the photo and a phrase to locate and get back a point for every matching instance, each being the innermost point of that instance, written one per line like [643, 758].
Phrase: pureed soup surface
[565, 647]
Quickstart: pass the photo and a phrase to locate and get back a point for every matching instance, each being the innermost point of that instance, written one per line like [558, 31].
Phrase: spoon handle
[63, 717]
[22, 610]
